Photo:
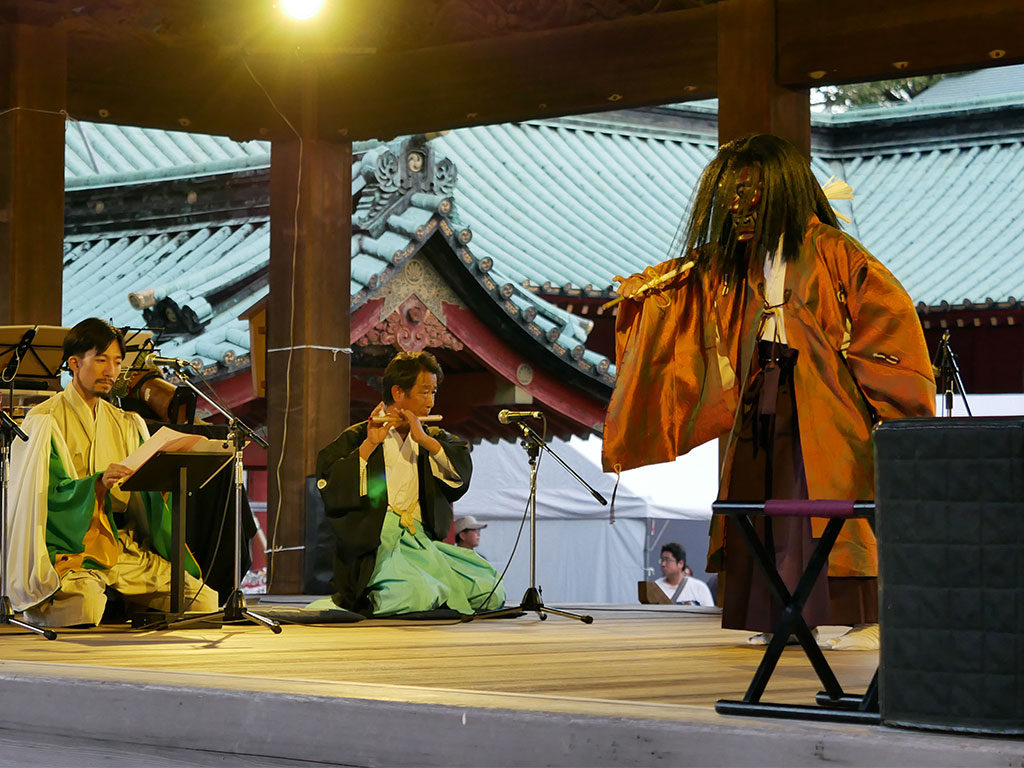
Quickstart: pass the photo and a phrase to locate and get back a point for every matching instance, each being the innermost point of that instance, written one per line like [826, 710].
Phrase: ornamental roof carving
[396, 176]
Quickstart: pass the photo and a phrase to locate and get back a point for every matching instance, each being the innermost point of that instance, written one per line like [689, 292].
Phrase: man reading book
[74, 532]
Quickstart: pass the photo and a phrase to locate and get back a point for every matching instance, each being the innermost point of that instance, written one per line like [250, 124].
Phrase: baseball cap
[468, 523]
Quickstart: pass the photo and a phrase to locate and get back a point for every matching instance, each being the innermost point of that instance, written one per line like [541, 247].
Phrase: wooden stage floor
[645, 670]
[649, 655]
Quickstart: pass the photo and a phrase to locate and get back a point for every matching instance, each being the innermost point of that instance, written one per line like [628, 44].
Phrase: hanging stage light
[301, 10]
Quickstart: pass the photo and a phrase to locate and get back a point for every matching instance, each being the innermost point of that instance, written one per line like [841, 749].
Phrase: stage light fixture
[301, 10]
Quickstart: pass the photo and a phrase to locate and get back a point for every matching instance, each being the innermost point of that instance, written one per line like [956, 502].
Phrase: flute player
[388, 484]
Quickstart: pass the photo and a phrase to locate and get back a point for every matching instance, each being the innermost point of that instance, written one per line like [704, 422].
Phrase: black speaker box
[950, 525]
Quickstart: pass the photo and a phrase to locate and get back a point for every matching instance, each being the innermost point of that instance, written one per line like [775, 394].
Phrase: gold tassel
[653, 284]
[837, 189]
[615, 490]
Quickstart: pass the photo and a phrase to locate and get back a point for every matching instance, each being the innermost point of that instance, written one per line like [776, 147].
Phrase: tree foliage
[839, 98]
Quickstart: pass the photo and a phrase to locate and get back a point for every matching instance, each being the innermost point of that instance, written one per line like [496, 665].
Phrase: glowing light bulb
[301, 10]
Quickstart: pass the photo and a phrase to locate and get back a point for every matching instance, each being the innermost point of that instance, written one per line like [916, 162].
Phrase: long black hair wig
[790, 196]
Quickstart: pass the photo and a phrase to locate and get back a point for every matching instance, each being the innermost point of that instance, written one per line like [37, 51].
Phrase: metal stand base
[234, 611]
[532, 602]
[833, 704]
[7, 617]
[797, 712]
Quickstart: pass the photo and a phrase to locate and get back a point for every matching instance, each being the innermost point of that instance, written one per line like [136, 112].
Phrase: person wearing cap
[467, 531]
[388, 485]
[77, 533]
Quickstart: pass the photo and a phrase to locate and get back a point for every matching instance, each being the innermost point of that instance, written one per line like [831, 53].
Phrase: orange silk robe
[684, 351]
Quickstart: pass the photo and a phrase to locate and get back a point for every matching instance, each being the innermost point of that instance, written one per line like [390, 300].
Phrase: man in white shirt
[388, 484]
[680, 588]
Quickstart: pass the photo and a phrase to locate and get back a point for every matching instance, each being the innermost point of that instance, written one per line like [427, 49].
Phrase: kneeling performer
[388, 485]
[75, 533]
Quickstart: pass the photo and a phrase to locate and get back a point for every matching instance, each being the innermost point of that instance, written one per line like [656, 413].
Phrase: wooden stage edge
[637, 687]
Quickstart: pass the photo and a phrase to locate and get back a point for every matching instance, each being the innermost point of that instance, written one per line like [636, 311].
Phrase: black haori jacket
[357, 520]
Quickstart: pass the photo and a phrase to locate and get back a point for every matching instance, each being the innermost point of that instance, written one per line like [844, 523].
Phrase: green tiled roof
[961, 245]
[214, 272]
[564, 204]
[571, 207]
[97, 155]
[970, 86]
[187, 265]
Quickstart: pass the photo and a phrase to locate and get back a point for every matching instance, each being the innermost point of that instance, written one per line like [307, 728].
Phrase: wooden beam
[32, 76]
[641, 60]
[648, 59]
[750, 100]
[211, 92]
[308, 316]
[832, 42]
[374, 87]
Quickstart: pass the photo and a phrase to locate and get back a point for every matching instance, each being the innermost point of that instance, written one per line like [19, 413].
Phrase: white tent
[581, 556]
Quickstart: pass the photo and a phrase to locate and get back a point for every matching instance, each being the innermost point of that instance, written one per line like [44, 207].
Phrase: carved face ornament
[746, 201]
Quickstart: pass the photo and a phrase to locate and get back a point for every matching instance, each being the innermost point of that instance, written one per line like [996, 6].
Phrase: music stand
[534, 444]
[137, 344]
[31, 356]
[179, 472]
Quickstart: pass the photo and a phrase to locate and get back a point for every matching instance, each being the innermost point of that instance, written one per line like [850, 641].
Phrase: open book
[167, 439]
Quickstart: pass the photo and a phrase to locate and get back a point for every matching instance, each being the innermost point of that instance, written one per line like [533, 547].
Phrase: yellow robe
[84, 446]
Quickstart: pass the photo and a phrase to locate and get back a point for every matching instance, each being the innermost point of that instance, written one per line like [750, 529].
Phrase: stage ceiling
[380, 69]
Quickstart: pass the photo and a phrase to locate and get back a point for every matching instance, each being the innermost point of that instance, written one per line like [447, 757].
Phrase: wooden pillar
[750, 100]
[307, 315]
[33, 86]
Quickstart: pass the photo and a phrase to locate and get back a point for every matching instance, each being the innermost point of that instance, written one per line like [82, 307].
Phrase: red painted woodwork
[499, 357]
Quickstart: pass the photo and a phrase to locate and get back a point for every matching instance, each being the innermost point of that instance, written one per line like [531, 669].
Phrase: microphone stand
[949, 376]
[9, 429]
[235, 608]
[534, 444]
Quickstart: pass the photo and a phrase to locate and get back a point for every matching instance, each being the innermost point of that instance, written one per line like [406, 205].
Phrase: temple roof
[969, 86]
[99, 155]
[552, 208]
[197, 278]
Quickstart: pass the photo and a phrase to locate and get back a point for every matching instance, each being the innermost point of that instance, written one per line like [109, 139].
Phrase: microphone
[7, 421]
[508, 417]
[144, 360]
[148, 359]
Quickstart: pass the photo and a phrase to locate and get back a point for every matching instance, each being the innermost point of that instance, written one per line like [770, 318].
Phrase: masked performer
[778, 332]
[388, 485]
[77, 533]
